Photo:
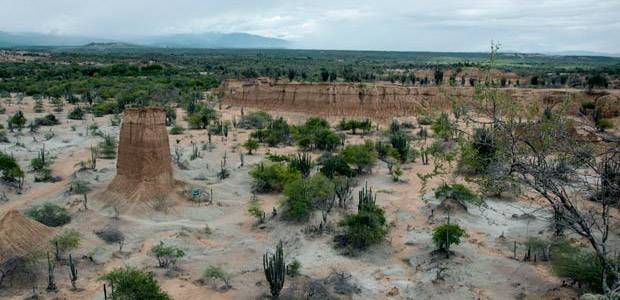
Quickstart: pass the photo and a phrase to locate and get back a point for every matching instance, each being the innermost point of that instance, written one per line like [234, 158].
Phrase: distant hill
[10, 39]
[213, 40]
[202, 40]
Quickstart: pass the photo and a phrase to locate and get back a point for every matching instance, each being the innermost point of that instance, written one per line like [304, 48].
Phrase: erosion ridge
[384, 101]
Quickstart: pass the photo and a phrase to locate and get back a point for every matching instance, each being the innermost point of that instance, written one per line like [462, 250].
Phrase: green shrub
[443, 127]
[316, 133]
[459, 193]
[217, 273]
[130, 283]
[334, 165]
[604, 124]
[400, 143]
[588, 105]
[202, 117]
[48, 120]
[293, 268]
[250, 145]
[76, 114]
[581, 266]
[367, 227]
[446, 235]
[425, 120]
[10, 169]
[363, 156]
[477, 155]
[278, 132]
[354, 125]
[67, 240]
[166, 255]
[176, 129]
[255, 120]
[272, 177]
[104, 108]
[107, 148]
[49, 214]
[304, 194]
[17, 121]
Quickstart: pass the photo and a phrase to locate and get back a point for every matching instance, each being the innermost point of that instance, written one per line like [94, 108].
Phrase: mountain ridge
[189, 40]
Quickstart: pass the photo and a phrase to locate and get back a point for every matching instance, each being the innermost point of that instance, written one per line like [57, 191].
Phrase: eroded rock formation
[377, 100]
[144, 166]
[20, 236]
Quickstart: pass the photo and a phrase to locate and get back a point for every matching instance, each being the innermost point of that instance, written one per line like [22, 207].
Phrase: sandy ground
[401, 267]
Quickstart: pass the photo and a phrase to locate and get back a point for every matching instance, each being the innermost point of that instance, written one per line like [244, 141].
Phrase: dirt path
[64, 167]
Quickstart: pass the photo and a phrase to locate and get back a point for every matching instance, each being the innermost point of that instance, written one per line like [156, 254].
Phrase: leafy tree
[250, 145]
[304, 195]
[67, 240]
[166, 255]
[446, 235]
[459, 193]
[130, 283]
[363, 156]
[49, 214]
[217, 273]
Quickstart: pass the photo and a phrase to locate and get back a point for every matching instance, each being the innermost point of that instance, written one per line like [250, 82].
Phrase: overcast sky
[436, 25]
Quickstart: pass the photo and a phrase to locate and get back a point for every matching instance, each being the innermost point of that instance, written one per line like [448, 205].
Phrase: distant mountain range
[201, 40]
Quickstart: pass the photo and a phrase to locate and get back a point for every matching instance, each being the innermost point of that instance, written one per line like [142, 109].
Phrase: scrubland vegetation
[348, 190]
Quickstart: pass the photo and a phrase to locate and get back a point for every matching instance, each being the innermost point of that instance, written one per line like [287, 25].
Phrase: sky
[402, 25]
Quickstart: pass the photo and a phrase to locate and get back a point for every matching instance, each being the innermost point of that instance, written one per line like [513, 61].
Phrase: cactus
[366, 198]
[301, 162]
[73, 274]
[51, 283]
[195, 152]
[275, 270]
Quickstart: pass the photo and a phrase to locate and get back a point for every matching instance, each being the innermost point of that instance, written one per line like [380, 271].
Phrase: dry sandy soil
[401, 267]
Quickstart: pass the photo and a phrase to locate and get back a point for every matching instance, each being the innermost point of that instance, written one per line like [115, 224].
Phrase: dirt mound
[144, 166]
[20, 235]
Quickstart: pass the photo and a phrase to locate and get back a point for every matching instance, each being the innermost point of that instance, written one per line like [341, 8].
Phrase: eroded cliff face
[380, 101]
[144, 166]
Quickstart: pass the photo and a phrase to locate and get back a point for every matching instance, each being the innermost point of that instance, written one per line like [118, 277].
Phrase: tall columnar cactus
[366, 198]
[51, 283]
[275, 270]
[73, 274]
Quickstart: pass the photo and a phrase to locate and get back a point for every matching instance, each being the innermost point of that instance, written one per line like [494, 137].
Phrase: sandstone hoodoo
[144, 166]
[20, 236]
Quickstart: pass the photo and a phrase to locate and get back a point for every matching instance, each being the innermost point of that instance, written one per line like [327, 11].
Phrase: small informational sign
[196, 192]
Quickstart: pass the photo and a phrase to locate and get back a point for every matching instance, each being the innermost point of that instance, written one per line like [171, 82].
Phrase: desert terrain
[221, 232]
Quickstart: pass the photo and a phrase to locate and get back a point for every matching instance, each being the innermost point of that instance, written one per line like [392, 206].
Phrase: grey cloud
[524, 25]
